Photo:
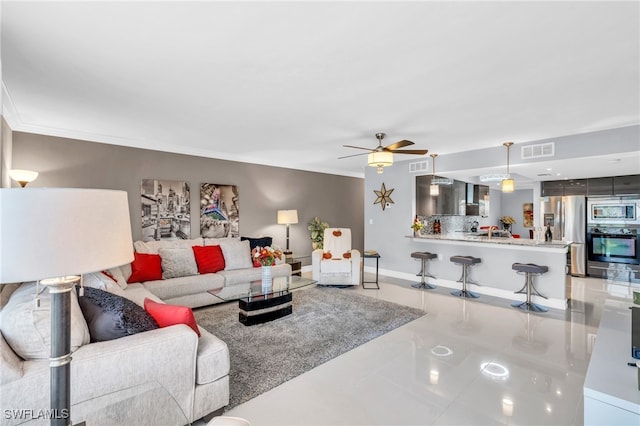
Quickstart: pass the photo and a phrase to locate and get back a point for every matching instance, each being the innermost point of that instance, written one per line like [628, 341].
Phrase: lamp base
[59, 362]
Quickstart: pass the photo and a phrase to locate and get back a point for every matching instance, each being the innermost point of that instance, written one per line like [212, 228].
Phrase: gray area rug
[326, 322]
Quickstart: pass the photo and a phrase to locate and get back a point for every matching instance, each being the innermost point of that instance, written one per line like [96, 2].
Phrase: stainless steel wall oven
[613, 252]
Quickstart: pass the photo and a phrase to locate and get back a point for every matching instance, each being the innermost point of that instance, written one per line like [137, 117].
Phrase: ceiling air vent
[419, 166]
[538, 150]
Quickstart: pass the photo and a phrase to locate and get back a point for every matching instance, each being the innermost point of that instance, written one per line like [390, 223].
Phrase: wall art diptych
[219, 212]
[166, 213]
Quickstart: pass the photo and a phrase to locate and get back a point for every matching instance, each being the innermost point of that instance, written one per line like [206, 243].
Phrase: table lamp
[287, 217]
[54, 235]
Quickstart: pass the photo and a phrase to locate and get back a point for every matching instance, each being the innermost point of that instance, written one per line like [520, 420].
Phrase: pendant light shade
[508, 185]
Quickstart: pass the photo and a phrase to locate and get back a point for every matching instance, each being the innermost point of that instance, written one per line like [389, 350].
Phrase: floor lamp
[54, 235]
[287, 217]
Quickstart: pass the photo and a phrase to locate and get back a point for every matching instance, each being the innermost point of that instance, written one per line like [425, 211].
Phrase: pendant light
[434, 189]
[507, 184]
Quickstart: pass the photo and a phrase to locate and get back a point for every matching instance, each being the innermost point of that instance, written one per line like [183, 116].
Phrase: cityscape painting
[166, 213]
[219, 213]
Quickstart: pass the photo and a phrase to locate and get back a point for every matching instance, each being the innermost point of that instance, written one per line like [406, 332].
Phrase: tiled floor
[464, 362]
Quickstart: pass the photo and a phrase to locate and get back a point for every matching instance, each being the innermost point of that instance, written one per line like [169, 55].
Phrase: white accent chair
[343, 268]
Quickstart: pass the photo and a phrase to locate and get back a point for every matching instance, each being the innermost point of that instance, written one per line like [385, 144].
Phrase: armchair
[337, 263]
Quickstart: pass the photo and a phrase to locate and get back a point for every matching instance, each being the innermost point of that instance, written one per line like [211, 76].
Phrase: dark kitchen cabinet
[477, 200]
[553, 188]
[600, 186]
[575, 187]
[450, 200]
[626, 185]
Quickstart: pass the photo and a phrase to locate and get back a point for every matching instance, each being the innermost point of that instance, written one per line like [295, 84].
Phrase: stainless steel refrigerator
[568, 216]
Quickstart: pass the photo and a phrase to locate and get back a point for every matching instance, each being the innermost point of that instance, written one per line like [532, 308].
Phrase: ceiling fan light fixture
[380, 159]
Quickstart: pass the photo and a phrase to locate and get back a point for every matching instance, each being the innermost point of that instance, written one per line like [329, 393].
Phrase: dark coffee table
[260, 303]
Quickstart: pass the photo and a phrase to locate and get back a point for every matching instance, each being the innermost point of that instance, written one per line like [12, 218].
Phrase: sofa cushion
[212, 362]
[332, 266]
[176, 287]
[153, 247]
[110, 316]
[177, 262]
[145, 267]
[118, 276]
[100, 281]
[27, 329]
[237, 254]
[258, 242]
[209, 259]
[167, 315]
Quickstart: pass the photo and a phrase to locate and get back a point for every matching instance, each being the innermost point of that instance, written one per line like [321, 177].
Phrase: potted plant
[317, 227]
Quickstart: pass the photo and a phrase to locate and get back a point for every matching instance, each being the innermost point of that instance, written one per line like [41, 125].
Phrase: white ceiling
[288, 83]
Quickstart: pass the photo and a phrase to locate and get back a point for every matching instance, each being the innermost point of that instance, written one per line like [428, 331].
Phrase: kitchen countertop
[475, 238]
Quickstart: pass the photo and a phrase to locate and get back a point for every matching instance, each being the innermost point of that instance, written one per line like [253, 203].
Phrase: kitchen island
[494, 274]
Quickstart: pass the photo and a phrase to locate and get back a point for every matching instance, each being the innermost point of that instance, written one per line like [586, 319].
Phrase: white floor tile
[465, 362]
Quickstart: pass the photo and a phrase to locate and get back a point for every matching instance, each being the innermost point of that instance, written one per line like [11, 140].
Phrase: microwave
[623, 212]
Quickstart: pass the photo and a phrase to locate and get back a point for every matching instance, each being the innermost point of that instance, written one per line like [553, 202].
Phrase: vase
[267, 276]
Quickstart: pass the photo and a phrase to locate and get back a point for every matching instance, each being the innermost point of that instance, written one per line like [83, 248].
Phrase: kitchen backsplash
[448, 223]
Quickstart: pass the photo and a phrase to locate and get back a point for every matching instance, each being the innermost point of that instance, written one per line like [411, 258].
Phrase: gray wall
[262, 189]
[512, 206]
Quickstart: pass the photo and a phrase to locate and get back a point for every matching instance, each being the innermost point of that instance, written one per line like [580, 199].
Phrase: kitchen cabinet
[600, 186]
[552, 188]
[477, 200]
[575, 187]
[626, 185]
[450, 200]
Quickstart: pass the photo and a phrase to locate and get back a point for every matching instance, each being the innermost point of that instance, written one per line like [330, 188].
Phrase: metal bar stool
[424, 256]
[466, 262]
[529, 269]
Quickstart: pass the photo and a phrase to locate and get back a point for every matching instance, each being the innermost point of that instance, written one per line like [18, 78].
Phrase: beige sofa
[191, 372]
[193, 290]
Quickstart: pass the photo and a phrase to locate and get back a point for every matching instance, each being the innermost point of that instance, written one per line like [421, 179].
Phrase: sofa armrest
[166, 356]
[316, 258]
[356, 258]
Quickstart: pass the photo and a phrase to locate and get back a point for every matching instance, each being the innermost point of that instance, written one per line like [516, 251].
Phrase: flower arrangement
[266, 256]
[417, 224]
[507, 220]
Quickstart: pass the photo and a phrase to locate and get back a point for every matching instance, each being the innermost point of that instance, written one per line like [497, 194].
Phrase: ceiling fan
[382, 156]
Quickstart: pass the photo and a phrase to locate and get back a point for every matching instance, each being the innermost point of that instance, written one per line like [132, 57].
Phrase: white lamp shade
[380, 159]
[508, 185]
[287, 217]
[21, 175]
[55, 232]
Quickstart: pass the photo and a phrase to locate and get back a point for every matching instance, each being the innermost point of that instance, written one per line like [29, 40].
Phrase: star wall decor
[384, 196]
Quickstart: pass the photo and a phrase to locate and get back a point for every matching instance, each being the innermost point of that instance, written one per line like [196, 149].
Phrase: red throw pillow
[145, 267]
[166, 315]
[209, 259]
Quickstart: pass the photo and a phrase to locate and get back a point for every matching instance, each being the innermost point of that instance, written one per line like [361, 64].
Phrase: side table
[296, 266]
[370, 254]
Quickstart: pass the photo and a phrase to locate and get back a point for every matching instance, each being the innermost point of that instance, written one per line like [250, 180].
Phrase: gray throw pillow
[178, 262]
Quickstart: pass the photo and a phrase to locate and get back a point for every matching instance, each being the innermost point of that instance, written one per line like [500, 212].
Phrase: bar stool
[466, 262]
[424, 256]
[529, 269]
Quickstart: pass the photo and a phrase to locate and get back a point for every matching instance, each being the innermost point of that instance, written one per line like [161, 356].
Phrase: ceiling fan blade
[352, 155]
[358, 147]
[397, 145]
[412, 151]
